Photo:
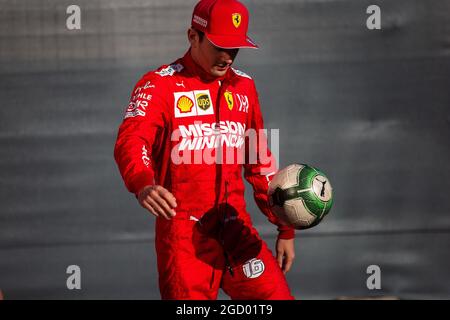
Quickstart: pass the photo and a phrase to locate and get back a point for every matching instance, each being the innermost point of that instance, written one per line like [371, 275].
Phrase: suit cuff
[140, 180]
[285, 232]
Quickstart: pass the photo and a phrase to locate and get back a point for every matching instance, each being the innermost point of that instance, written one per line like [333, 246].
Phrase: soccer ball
[300, 195]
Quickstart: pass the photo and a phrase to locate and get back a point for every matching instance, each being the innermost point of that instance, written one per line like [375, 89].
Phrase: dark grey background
[370, 108]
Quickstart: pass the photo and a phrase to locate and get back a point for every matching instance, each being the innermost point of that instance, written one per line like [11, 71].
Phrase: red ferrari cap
[224, 22]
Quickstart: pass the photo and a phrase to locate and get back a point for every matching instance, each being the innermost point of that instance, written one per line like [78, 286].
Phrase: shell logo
[185, 104]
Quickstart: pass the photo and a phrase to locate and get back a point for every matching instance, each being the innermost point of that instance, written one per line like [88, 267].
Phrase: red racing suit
[190, 134]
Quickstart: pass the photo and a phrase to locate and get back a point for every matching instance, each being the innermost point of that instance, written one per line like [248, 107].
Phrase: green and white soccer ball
[300, 195]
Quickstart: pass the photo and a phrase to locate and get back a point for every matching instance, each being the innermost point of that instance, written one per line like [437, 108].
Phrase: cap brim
[231, 42]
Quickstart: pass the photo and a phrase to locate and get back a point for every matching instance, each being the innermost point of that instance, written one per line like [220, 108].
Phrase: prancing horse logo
[229, 99]
[236, 19]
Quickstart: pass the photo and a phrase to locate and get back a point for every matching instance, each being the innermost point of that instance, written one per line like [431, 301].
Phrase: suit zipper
[225, 216]
[219, 183]
[219, 149]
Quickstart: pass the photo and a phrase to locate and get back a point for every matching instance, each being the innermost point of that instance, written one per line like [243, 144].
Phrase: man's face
[212, 59]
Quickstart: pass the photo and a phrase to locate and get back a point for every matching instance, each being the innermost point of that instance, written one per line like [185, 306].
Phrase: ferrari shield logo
[229, 98]
[236, 19]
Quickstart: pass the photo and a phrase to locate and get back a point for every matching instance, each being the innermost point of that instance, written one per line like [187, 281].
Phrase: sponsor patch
[139, 101]
[185, 104]
[204, 102]
[145, 158]
[170, 70]
[148, 84]
[142, 95]
[200, 21]
[243, 102]
[136, 108]
[192, 103]
[201, 135]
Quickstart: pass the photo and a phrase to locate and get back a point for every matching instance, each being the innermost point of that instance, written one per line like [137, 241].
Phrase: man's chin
[218, 71]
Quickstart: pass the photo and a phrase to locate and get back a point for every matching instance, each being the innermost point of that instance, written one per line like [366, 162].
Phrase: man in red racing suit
[181, 149]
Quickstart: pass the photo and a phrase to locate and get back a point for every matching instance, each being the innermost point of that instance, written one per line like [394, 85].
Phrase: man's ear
[192, 37]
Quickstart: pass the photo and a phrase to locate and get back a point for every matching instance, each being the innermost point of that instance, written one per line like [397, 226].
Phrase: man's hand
[158, 200]
[285, 253]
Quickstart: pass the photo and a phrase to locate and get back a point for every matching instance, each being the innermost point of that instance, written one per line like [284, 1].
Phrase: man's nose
[228, 61]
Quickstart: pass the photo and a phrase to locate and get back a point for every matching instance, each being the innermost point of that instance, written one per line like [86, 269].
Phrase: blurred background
[371, 108]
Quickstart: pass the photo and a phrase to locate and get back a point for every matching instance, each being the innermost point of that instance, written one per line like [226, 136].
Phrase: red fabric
[175, 109]
[224, 22]
[192, 262]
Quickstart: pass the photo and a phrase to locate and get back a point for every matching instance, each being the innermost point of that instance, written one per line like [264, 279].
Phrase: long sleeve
[139, 133]
[260, 167]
